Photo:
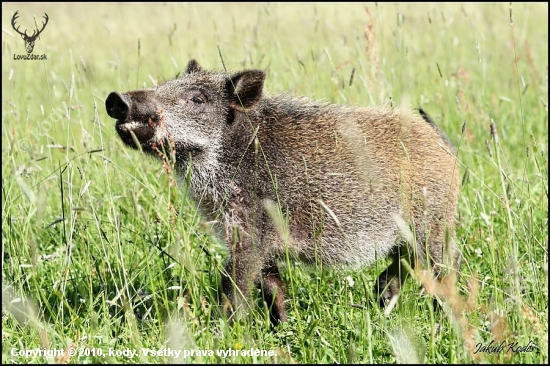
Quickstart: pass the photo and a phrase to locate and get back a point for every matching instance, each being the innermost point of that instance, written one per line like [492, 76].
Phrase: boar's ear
[246, 88]
[192, 66]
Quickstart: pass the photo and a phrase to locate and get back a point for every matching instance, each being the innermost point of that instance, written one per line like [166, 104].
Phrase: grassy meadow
[103, 257]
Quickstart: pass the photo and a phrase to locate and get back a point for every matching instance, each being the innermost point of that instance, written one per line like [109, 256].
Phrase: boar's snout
[137, 116]
[117, 106]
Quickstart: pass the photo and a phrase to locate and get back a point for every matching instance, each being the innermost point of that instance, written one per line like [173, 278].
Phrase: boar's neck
[240, 170]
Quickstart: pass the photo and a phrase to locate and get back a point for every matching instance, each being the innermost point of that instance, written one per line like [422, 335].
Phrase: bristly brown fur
[333, 184]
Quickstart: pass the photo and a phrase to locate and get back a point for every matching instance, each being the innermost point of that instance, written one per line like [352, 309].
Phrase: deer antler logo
[29, 40]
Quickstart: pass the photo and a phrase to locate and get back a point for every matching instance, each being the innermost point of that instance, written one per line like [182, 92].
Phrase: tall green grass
[102, 252]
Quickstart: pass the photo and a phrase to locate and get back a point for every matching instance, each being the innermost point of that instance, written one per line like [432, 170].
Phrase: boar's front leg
[272, 288]
[242, 270]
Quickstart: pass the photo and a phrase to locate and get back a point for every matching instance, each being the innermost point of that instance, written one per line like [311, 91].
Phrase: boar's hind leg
[445, 258]
[272, 289]
[390, 281]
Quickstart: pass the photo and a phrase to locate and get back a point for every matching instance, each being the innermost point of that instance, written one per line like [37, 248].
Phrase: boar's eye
[194, 99]
[197, 100]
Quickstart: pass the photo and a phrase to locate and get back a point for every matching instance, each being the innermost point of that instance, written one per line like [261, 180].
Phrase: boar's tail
[426, 117]
[429, 119]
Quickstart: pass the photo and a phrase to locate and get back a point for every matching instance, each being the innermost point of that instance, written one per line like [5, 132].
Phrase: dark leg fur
[238, 279]
[390, 281]
[273, 293]
[233, 286]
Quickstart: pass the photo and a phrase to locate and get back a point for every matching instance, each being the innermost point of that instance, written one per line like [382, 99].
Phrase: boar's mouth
[143, 132]
[135, 119]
